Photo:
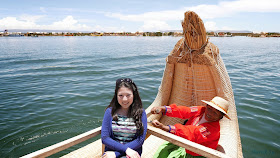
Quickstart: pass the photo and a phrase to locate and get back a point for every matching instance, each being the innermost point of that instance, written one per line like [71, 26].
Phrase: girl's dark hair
[135, 110]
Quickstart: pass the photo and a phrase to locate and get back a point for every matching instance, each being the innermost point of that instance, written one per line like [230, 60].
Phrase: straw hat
[219, 104]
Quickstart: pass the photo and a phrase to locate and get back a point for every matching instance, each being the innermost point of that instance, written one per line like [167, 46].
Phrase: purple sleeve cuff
[167, 110]
[172, 129]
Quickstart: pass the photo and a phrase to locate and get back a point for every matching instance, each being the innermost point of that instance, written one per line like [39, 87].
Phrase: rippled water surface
[54, 88]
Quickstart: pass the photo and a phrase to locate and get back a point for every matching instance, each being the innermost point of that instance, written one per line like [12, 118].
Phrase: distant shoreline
[175, 34]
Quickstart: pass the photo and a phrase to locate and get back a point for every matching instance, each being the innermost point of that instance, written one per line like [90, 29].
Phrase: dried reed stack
[194, 48]
[194, 31]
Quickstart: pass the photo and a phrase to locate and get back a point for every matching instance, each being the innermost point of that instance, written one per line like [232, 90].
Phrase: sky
[138, 15]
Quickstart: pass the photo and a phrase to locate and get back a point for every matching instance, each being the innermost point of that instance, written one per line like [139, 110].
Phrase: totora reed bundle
[194, 47]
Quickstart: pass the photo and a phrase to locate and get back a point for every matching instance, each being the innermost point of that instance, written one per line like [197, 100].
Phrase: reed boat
[194, 71]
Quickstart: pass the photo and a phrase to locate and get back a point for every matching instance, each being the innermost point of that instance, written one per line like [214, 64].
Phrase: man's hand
[132, 153]
[157, 110]
[157, 124]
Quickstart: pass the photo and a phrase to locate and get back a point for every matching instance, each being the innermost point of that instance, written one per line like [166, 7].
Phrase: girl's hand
[156, 110]
[132, 153]
[109, 154]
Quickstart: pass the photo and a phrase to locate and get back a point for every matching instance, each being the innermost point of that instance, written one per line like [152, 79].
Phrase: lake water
[54, 88]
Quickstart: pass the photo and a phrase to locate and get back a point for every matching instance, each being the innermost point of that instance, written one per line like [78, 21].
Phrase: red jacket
[207, 134]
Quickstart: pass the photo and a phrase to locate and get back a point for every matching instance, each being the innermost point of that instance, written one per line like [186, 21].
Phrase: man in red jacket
[202, 126]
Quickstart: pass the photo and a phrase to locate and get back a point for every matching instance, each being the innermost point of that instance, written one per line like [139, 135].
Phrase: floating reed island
[175, 33]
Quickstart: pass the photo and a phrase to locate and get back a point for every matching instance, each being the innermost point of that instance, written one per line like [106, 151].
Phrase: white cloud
[229, 8]
[30, 18]
[150, 16]
[161, 20]
[155, 26]
[68, 23]
[28, 22]
[253, 5]
[222, 9]
[13, 23]
[106, 29]
[43, 9]
[210, 25]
